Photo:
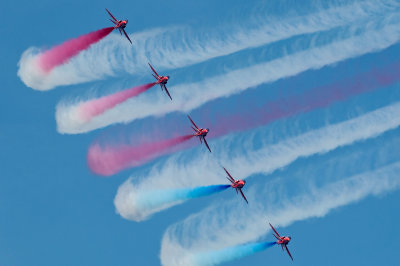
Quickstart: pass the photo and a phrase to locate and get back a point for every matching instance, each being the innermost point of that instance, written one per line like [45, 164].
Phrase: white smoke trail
[175, 47]
[376, 37]
[185, 241]
[174, 174]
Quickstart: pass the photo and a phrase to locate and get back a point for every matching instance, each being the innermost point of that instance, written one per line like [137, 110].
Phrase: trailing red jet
[201, 133]
[120, 25]
[282, 240]
[236, 184]
[162, 80]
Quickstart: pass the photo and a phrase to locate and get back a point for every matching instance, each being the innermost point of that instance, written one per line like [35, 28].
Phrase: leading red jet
[120, 25]
[282, 240]
[236, 184]
[162, 80]
[201, 133]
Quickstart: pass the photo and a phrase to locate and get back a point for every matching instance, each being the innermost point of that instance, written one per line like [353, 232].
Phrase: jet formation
[201, 133]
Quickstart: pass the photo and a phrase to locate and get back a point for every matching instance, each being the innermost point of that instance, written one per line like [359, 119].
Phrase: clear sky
[275, 70]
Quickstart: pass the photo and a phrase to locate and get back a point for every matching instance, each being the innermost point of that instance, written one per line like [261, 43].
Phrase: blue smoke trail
[138, 204]
[158, 198]
[229, 254]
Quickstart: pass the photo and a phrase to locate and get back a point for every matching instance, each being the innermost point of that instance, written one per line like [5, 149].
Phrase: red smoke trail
[99, 106]
[110, 160]
[316, 98]
[63, 52]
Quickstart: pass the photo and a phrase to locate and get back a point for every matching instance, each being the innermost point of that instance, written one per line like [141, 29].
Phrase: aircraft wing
[230, 180]
[205, 142]
[126, 35]
[111, 15]
[230, 177]
[288, 252]
[115, 23]
[241, 192]
[165, 87]
[195, 130]
[275, 231]
[193, 123]
[155, 72]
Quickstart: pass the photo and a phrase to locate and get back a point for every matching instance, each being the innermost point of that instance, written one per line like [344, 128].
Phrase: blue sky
[54, 211]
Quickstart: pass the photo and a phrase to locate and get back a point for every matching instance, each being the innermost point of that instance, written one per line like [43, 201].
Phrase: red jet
[237, 184]
[120, 25]
[201, 133]
[162, 80]
[282, 240]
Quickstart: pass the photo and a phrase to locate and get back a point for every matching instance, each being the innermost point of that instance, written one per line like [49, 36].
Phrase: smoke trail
[239, 80]
[172, 174]
[182, 46]
[216, 257]
[143, 203]
[183, 240]
[63, 52]
[96, 107]
[35, 67]
[240, 120]
[109, 160]
[315, 98]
